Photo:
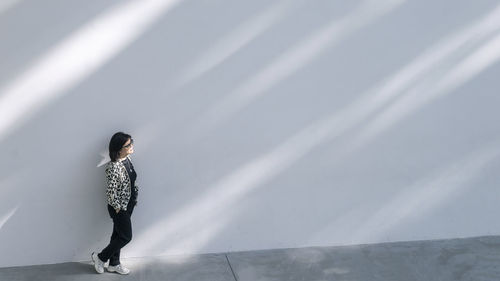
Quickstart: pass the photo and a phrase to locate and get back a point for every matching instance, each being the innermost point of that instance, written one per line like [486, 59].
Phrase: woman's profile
[121, 193]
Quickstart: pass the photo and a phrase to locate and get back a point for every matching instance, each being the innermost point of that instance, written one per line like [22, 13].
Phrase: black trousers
[122, 234]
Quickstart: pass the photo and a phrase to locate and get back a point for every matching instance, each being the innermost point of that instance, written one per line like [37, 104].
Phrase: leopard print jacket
[118, 184]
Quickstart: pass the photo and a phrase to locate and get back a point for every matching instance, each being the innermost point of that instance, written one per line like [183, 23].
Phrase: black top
[133, 176]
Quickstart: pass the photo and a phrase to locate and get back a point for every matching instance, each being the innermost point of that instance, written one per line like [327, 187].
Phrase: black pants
[122, 234]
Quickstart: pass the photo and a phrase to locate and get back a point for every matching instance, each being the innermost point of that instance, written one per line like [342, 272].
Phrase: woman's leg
[115, 258]
[123, 228]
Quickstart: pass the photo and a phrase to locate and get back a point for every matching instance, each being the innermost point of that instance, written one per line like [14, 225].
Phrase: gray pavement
[474, 259]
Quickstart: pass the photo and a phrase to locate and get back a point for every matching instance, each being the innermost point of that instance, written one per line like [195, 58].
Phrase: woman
[122, 198]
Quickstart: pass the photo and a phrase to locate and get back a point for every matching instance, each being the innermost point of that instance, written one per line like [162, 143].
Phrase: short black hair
[116, 143]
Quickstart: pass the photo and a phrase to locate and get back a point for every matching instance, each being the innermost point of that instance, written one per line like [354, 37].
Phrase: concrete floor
[474, 259]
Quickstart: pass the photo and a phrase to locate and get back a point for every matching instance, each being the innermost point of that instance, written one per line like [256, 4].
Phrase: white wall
[258, 124]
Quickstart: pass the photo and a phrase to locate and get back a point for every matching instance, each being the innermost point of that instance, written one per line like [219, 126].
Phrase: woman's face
[127, 148]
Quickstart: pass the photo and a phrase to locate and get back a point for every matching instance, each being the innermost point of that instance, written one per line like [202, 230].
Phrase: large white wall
[258, 124]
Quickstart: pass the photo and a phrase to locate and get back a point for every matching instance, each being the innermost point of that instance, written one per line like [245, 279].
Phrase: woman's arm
[112, 182]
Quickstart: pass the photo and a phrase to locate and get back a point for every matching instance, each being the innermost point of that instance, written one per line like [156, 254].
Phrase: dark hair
[116, 143]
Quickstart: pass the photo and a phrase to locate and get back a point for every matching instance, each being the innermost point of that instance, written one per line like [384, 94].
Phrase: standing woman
[122, 197]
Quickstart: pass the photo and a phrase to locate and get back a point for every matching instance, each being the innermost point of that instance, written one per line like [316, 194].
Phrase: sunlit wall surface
[257, 124]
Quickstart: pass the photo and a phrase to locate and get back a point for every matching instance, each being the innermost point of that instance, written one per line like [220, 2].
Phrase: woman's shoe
[118, 269]
[98, 264]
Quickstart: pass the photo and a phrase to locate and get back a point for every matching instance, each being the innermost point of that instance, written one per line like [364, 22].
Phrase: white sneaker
[118, 269]
[98, 264]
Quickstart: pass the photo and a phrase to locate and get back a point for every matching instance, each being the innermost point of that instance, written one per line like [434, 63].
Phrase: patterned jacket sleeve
[112, 181]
